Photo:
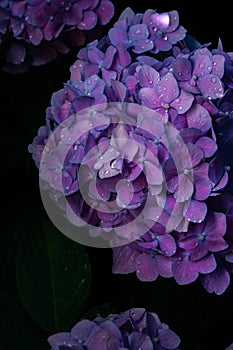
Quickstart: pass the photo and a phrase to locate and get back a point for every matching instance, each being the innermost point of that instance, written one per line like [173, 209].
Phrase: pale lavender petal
[168, 88]
[196, 211]
[183, 102]
[210, 86]
[198, 117]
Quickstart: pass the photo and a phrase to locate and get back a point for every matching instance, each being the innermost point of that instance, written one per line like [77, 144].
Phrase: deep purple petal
[124, 259]
[184, 271]
[168, 339]
[146, 268]
[217, 281]
[167, 244]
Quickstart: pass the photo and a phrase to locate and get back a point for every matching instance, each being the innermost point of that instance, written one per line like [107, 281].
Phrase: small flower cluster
[134, 329]
[33, 32]
[149, 60]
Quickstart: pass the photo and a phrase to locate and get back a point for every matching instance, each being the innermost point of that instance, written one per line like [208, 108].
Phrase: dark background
[202, 321]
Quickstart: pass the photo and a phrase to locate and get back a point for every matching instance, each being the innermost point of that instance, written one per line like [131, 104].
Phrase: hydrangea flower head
[168, 143]
[133, 329]
[34, 32]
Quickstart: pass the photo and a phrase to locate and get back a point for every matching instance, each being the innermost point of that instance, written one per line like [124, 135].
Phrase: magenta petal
[210, 86]
[208, 146]
[184, 271]
[217, 281]
[168, 87]
[146, 268]
[124, 260]
[196, 211]
[202, 189]
[198, 117]
[183, 103]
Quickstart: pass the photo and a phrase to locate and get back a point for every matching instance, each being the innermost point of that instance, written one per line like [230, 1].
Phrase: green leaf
[15, 330]
[53, 277]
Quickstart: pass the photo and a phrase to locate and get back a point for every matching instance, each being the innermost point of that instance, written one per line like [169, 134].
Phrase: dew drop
[213, 79]
[165, 38]
[137, 31]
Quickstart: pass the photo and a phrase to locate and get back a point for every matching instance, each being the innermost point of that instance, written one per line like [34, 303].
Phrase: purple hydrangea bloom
[37, 31]
[133, 329]
[188, 168]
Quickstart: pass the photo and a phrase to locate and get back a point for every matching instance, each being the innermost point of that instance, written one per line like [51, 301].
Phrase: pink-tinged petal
[184, 188]
[218, 65]
[208, 146]
[202, 64]
[210, 86]
[206, 265]
[105, 11]
[198, 117]
[183, 102]
[154, 175]
[150, 97]
[182, 69]
[148, 76]
[216, 282]
[118, 36]
[184, 271]
[146, 268]
[202, 189]
[167, 244]
[124, 260]
[196, 211]
[168, 88]
[164, 266]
